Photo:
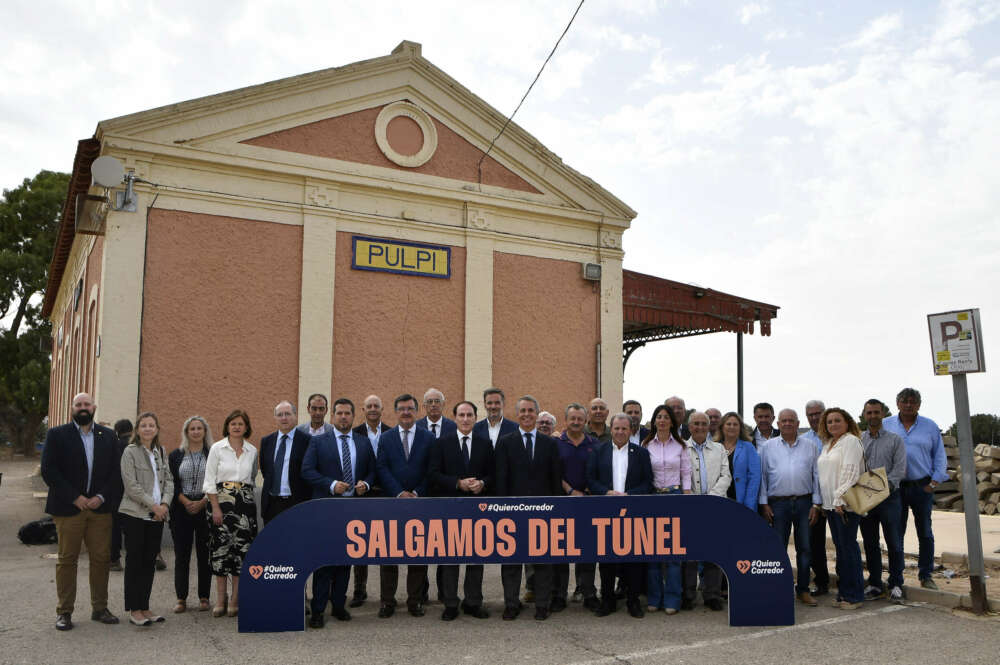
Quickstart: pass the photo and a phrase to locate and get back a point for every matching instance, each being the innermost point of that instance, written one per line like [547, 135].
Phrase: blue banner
[651, 528]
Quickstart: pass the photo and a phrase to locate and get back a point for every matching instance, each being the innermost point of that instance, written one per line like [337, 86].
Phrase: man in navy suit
[318, 408]
[527, 464]
[281, 454]
[81, 467]
[615, 469]
[372, 428]
[462, 465]
[638, 432]
[337, 464]
[494, 425]
[435, 422]
[401, 464]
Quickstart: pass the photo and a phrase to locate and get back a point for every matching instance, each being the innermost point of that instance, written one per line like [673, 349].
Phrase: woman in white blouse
[229, 476]
[148, 491]
[839, 467]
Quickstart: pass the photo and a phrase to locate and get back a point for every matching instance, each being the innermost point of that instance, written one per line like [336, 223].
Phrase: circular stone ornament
[415, 113]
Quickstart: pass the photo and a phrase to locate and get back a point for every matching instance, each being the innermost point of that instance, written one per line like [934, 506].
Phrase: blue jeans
[795, 512]
[664, 582]
[888, 515]
[921, 503]
[844, 529]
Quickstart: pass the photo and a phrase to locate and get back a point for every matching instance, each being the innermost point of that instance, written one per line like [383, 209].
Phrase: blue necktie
[279, 466]
[345, 456]
[527, 443]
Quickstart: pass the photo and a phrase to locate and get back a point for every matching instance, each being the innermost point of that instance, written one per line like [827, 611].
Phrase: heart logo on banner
[256, 571]
[482, 507]
[743, 566]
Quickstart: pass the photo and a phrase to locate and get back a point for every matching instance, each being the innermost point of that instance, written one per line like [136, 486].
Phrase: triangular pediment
[324, 125]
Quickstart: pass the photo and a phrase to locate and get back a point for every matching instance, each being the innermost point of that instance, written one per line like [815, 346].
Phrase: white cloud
[752, 10]
[877, 30]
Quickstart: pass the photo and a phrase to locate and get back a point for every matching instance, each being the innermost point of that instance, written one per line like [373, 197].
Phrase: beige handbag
[871, 489]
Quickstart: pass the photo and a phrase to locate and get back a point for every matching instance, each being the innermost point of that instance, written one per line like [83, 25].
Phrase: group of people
[205, 492]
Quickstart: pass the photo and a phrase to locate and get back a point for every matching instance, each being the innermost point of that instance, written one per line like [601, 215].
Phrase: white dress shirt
[223, 466]
[157, 496]
[494, 431]
[534, 439]
[286, 488]
[619, 467]
[373, 436]
[434, 427]
[354, 460]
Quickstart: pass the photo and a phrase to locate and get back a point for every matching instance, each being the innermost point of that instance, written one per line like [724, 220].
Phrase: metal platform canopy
[656, 308]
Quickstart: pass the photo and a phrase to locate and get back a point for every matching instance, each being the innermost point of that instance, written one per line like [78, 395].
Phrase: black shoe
[619, 591]
[64, 621]
[478, 611]
[449, 614]
[359, 599]
[416, 610]
[819, 591]
[604, 609]
[386, 611]
[714, 604]
[104, 616]
[591, 603]
[687, 604]
[635, 609]
[116, 565]
[160, 563]
[541, 613]
[340, 614]
[316, 621]
[558, 605]
[510, 613]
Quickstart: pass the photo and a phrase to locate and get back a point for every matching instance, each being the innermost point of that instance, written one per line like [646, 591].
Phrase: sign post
[957, 349]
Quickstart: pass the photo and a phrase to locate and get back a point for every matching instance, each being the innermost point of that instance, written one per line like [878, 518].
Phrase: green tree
[985, 429]
[29, 222]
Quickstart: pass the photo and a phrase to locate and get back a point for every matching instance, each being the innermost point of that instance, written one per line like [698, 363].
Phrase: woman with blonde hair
[148, 492]
[839, 467]
[188, 524]
[229, 476]
[744, 462]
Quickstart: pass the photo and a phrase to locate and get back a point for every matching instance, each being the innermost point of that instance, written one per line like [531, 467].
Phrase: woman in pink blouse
[671, 475]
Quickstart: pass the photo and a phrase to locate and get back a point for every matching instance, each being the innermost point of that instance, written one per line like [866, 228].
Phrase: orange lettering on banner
[505, 532]
[621, 536]
[413, 538]
[435, 539]
[678, 548]
[602, 524]
[459, 537]
[571, 548]
[484, 537]
[394, 549]
[376, 540]
[663, 535]
[643, 535]
[355, 534]
[557, 534]
[537, 536]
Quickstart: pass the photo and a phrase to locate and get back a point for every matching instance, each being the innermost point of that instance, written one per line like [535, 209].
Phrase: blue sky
[835, 158]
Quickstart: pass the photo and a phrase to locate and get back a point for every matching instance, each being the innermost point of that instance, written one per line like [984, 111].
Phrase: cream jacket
[137, 477]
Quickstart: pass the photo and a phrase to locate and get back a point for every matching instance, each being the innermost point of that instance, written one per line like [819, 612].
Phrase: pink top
[671, 463]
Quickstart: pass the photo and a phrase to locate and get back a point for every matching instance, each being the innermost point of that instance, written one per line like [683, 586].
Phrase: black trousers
[711, 581]
[473, 587]
[275, 506]
[360, 581]
[510, 576]
[632, 575]
[416, 577]
[142, 543]
[190, 531]
[116, 535]
[329, 583]
[817, 552]
[585, 578]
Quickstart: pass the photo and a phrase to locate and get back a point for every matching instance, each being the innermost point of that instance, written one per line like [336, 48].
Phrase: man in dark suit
[337, 464]
[372, 429]
[461, 464]
[494, 425]
[618, 468]
[318, 408]
[638, 432]
[281, 454]
[81, 467]
[435, 422]
[527, 464]
[401, 464]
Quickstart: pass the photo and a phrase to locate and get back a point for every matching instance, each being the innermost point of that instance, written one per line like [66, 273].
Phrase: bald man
[80, 465]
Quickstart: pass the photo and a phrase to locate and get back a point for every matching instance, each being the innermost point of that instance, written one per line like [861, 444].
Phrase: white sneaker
[896, 595]
[872, 592]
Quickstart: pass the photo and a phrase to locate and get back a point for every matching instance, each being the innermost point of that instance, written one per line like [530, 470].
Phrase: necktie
[527, 443]
[279, 466]
[406, 443]
[345, 458]
[465, 449]
[434, 430]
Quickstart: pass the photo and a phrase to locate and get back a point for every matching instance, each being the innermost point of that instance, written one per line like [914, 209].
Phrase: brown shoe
[806, 599]
[203, 605]
[844, 605]
[180, 607]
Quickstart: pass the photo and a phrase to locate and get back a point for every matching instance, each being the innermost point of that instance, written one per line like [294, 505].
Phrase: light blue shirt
[354, 460]
[88, 450]
[814, 437]
[700, 450]
[925, 456]
[789, 470]
[373, 436]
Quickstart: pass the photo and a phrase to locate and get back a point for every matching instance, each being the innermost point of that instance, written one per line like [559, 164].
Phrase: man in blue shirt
[926, 467]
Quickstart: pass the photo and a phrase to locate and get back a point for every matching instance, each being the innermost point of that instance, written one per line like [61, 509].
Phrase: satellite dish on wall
[107, 171]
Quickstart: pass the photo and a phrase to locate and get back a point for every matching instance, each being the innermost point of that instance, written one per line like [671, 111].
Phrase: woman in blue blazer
[744, 462]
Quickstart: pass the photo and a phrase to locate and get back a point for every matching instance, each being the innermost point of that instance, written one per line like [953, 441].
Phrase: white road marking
[673, 648]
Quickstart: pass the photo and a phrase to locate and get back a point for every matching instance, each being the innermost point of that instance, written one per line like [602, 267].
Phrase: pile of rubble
[948, 495]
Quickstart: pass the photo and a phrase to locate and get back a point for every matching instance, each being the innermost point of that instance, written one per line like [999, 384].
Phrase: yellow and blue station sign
[404, 258]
